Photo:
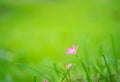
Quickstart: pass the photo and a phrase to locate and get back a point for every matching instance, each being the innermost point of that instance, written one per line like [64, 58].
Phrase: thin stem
[110, 75]
[69, 77]
[35, 79]
[114, 52]
[56, 70]
[88, 77]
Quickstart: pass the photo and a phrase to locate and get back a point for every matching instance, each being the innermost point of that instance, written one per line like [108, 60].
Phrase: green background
[36, 32]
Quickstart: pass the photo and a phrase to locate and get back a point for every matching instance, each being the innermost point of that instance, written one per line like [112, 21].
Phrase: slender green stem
[114, 53]
[35, 70]
[65, 75]
[56, 70]
[35, 79]
[69, 77]
[109, 72]
[88, 77]
[100, 72]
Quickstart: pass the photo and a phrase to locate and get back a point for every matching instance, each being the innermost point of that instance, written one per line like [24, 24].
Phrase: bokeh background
[35, 32]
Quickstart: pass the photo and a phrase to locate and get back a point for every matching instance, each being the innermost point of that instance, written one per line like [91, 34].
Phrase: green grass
[35, 79]
[94, 72]
[86, 71]
[114, 52]
[109, 71]
[33, 34]
[63, 75]
[40, 74]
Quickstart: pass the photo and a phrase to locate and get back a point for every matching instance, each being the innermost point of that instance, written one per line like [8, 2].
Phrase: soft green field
[36, 34]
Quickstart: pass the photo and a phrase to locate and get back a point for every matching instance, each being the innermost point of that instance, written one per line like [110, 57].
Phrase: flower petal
[68, 66]
[45, 81]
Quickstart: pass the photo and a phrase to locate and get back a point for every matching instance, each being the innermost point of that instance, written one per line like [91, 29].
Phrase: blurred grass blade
[84, 45]
[69, 77]
[89, 80]
[65, 75]
[35, 79]
[114, 53]
[33, 69]
[109, 72]
[100, 72]
[56, 70]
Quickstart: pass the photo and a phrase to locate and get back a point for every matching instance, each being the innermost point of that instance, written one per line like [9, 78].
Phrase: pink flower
[45, 81]
[68, 66]
[72, 50]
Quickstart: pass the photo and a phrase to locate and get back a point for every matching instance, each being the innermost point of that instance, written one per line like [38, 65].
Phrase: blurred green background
[35, 32]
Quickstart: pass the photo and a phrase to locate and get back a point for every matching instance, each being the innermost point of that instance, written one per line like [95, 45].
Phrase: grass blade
[69, 77]
[114, 52]
[56, 70]
[100, 72]
[89, 80]
[109, 72]
[33, 69]
[34, 78]
[65, 75]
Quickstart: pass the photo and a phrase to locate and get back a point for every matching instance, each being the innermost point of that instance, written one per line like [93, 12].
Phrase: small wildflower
[68, 66]
[72, 50]
[45, 81]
